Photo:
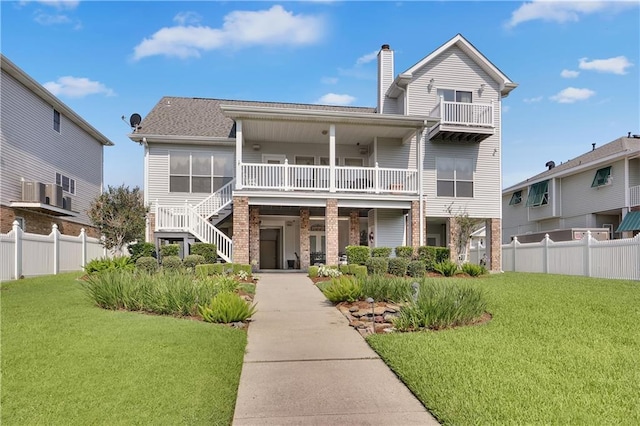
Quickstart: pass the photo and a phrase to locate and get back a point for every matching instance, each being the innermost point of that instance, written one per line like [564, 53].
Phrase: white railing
[634, 196]
[290, 177]
[464, 113]
[216, 201]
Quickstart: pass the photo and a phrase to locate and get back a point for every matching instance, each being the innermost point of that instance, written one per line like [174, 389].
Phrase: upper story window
[516, 198]
[602, 177]
[198, 171]
[538, 194]
[451, 95]
[56, 121]
[455, 177]
[68, 184]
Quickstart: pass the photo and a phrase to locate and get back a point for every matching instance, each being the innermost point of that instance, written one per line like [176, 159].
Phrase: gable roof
[615, 150]
[36, 88]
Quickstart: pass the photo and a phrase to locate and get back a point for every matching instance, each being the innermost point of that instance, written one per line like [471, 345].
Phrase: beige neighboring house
[51, 159]
[598, 189]
[288, 185]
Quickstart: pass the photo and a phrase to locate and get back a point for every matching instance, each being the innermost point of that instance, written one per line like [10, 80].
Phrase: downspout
[145, 183]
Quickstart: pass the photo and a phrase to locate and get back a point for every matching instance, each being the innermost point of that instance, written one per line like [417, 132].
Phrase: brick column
[254, 236]
[305, 257]
[453, 239]
[331, 231]
[415, 225]
[354, 228]
[241, 230]
[493, 229]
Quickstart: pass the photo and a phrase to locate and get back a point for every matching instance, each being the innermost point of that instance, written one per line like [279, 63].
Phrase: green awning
[631, 222]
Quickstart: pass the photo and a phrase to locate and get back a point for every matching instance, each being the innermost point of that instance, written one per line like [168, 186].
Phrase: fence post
[17, 235]
[515, 243]
[56, 249]
[587, 255]
[545, 253]
[83, 241]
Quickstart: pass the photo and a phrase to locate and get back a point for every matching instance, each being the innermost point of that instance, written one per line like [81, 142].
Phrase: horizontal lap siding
[579, 198]
[392, 153]
[291, 150]
[514, 217]
[634, 172]
[389, 228]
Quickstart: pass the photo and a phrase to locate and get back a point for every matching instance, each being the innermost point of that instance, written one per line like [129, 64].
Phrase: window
[56, 121]
[516, 198]
[451, 95]
[354, 162]
[199, 171]
[538, 194]
[305, 161]
[67, 184]
[324, 161]
[455, 177]
[602, 177]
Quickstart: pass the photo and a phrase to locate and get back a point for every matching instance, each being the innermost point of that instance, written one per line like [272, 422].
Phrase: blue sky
[577, 63]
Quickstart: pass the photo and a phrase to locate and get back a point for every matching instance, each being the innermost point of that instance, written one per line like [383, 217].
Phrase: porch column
[331, 231]
[239, 142]
[452, 242]
[254, 236]
[415, 225]
[493, 229]
[354, 228]
[241, 230]
[305, 255]
[332, 158]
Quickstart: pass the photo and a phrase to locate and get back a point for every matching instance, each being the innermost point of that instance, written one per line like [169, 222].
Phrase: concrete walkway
[305, 365]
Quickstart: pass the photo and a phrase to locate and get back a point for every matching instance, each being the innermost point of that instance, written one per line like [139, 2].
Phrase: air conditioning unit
[66, 203]
[33, 192]
[53, 193]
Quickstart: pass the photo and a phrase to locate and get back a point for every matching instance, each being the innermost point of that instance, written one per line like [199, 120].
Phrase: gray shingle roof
[176, 116]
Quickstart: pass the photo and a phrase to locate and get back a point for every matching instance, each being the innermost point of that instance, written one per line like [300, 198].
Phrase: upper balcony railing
[463, 113]
[289, 177]
[634, 196]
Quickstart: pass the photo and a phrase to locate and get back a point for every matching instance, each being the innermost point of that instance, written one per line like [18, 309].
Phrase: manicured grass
[66, 361]
[559, 350]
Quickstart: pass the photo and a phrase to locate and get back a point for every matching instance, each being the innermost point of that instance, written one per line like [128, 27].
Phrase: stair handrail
[205, 231]
[216, 201]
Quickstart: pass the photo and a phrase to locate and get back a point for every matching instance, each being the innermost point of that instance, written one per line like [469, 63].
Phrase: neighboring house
[288, 185]
[51, 159]
[598, 189]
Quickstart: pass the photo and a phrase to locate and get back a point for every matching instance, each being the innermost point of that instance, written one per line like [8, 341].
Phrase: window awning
[631, 222]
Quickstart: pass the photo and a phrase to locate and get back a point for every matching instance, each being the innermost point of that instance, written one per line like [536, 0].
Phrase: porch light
[482, 86]
[256, 147]
[431, 82]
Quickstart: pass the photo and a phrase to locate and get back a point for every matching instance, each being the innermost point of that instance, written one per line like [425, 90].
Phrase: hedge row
[361, 255]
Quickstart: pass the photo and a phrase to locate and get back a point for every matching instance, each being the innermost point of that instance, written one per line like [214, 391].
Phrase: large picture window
[538, 194]
[199, 171]
[455, 177]
[451, 95]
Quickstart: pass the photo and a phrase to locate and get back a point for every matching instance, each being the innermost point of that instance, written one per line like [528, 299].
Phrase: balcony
[462, 122]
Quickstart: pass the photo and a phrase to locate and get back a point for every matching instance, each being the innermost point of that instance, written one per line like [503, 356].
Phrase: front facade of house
[51, 159]
[597, 189]
[289, 185]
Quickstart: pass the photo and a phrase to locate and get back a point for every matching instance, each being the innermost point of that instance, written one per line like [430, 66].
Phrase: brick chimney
[385, 74]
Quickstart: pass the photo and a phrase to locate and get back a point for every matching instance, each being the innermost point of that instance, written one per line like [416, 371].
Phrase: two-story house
[283, 185]
[598, 189]
[51, 159]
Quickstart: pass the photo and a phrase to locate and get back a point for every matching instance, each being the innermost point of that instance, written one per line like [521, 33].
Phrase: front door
[269, 249]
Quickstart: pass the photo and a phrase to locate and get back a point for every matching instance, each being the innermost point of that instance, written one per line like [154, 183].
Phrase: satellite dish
[134, 120]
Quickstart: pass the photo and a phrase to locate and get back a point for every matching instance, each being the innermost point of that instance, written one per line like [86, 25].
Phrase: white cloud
[58, 4]
[365, 59]
[617, 65]
[563, 11]
[274, 26]
[569, 74]
[329, 80]
[46, 19]
[335, 99]
[532, 100]
[187, 18]
[77, 87]
[571, 95]
[506, 108]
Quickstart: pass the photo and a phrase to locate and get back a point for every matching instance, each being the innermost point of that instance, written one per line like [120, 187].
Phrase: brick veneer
[152, 228]
[354, 228]
[254, 236]
[38, 223]
[415, 224]
[241, 230]
[305, 255]
[493, 228]
[331, 230]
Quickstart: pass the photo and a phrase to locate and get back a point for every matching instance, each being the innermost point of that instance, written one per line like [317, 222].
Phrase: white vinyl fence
[588, 257]
[24, 254]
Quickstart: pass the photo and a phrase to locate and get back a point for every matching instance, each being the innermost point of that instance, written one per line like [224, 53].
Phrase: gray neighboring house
[287, 185]
[51, 159]
[598, 189]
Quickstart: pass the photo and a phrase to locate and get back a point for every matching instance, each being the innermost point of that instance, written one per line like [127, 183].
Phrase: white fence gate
[24, 254]
[588, 257]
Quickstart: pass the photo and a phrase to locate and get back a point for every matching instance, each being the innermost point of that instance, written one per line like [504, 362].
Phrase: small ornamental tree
[119, 213]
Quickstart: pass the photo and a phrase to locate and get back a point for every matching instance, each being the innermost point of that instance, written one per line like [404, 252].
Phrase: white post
[156, 218]
[492, 110]
[239, 142]
[83, 241]
[515, 243]
[587, 255]
[56, 249]
[286, 174]
[376, 178]
[17, 235]
[545, 253]
[332, 158]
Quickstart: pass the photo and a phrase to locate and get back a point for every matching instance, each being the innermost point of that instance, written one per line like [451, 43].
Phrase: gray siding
[392, 153]
[32, 150]
[291, 150]
[634, 172]
[389, 228]
[514, 217]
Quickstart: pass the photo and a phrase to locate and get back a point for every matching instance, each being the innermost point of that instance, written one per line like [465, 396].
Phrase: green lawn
[559, 350]
[65, 361]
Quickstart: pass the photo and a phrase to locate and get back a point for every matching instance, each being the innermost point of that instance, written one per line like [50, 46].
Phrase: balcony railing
[634, 196]
[288, 177]
[463, 113]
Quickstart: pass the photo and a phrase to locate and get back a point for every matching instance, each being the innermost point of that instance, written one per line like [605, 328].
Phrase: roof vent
[593, 146]
[550, 164]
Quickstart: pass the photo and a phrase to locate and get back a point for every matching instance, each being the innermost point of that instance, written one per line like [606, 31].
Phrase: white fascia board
[399, 85]
[192, 140]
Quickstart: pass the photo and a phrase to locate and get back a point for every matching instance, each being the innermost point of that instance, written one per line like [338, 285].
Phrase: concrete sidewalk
[305, 365]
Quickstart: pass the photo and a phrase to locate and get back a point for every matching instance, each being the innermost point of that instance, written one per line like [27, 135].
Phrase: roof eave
[194, 140]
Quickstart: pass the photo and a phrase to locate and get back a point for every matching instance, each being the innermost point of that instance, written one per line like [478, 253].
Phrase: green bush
[344, 269]
[139, 250]
[428, 255]
[109, 263]
[357, 255]
[222, 283]
[191, 260]
[313, 271]
[169, 250]
[377, 265]
[404, 251]
[208, 251]
[446, 268]
[171, 263]
[416, 269]
[442, 254]
[473, 270]
[147, 264]
[359, 271]
[381, 252]
[343, 289]
[388, 289]
[398, 266]
[225, 308]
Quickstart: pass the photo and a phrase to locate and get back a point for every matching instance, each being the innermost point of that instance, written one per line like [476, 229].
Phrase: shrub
[359, 271]
[416, 269]
[442, 254]
[106, 263]
[313, 271]
[139, 250]
[428, 255]
[343, 289]
[147, 264]
[358, 255]
[446, 268]
[328, 271]
[171, 262]
[226, 307]
[398, 266]
[404, 251]
[205, 270]
[191, 260]
[382, 288]
[344, 269]
[381, 252]
[169, 250]
[377, 265]
[473, 270]
[236, 268]
[208, 251]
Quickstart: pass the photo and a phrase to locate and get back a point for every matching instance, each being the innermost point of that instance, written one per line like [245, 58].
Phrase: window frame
[516, 198]
[57, 120]
[455, 180]
[71, 183]
[534, 192]
[603, 179]
[213, 177]
[455, 94]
